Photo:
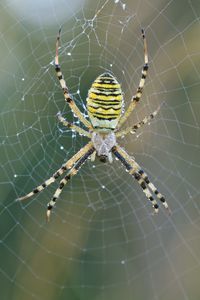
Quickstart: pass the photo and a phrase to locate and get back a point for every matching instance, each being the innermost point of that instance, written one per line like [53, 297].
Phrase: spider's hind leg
[136, 98]
[64, 87]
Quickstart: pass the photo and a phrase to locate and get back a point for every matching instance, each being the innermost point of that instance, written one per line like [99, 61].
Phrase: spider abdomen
[104, 102]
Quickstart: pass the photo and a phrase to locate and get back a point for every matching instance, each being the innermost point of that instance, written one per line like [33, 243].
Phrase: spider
[104, 107]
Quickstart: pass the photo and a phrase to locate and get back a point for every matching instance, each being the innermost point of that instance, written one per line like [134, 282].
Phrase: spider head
[103, 158]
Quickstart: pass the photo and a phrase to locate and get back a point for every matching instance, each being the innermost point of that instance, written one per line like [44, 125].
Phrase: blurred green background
[102, 241]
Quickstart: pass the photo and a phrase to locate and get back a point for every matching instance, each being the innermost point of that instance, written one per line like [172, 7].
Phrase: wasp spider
[104, 106]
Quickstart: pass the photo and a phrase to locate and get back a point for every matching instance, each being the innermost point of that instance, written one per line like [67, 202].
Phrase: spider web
[103, 241]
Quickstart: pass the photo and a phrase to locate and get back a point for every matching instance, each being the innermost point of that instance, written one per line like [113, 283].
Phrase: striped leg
[72, 126]
[135, 127]
[141, 177]
[138, 94]
[67, 96]
[154, 190]
[66, 179]
[132, 168]
[146, 191]
[59, 172]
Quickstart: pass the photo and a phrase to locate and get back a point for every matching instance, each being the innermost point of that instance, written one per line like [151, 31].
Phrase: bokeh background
[103, 241]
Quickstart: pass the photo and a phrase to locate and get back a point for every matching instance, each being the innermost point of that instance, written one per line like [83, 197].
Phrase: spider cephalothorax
[103, 144]
[104, 106]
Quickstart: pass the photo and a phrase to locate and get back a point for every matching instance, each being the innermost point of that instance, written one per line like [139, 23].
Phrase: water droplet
[23, 79]
[103, 186]
[15, 175]
[69, 54]
[132, 131]
[61, 147]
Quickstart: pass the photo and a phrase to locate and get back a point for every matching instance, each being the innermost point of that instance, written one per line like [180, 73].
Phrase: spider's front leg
[66, 179]
[59, 172]
[141, 177]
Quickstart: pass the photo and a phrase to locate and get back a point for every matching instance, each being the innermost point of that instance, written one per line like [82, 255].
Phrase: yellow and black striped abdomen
[104, 102]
